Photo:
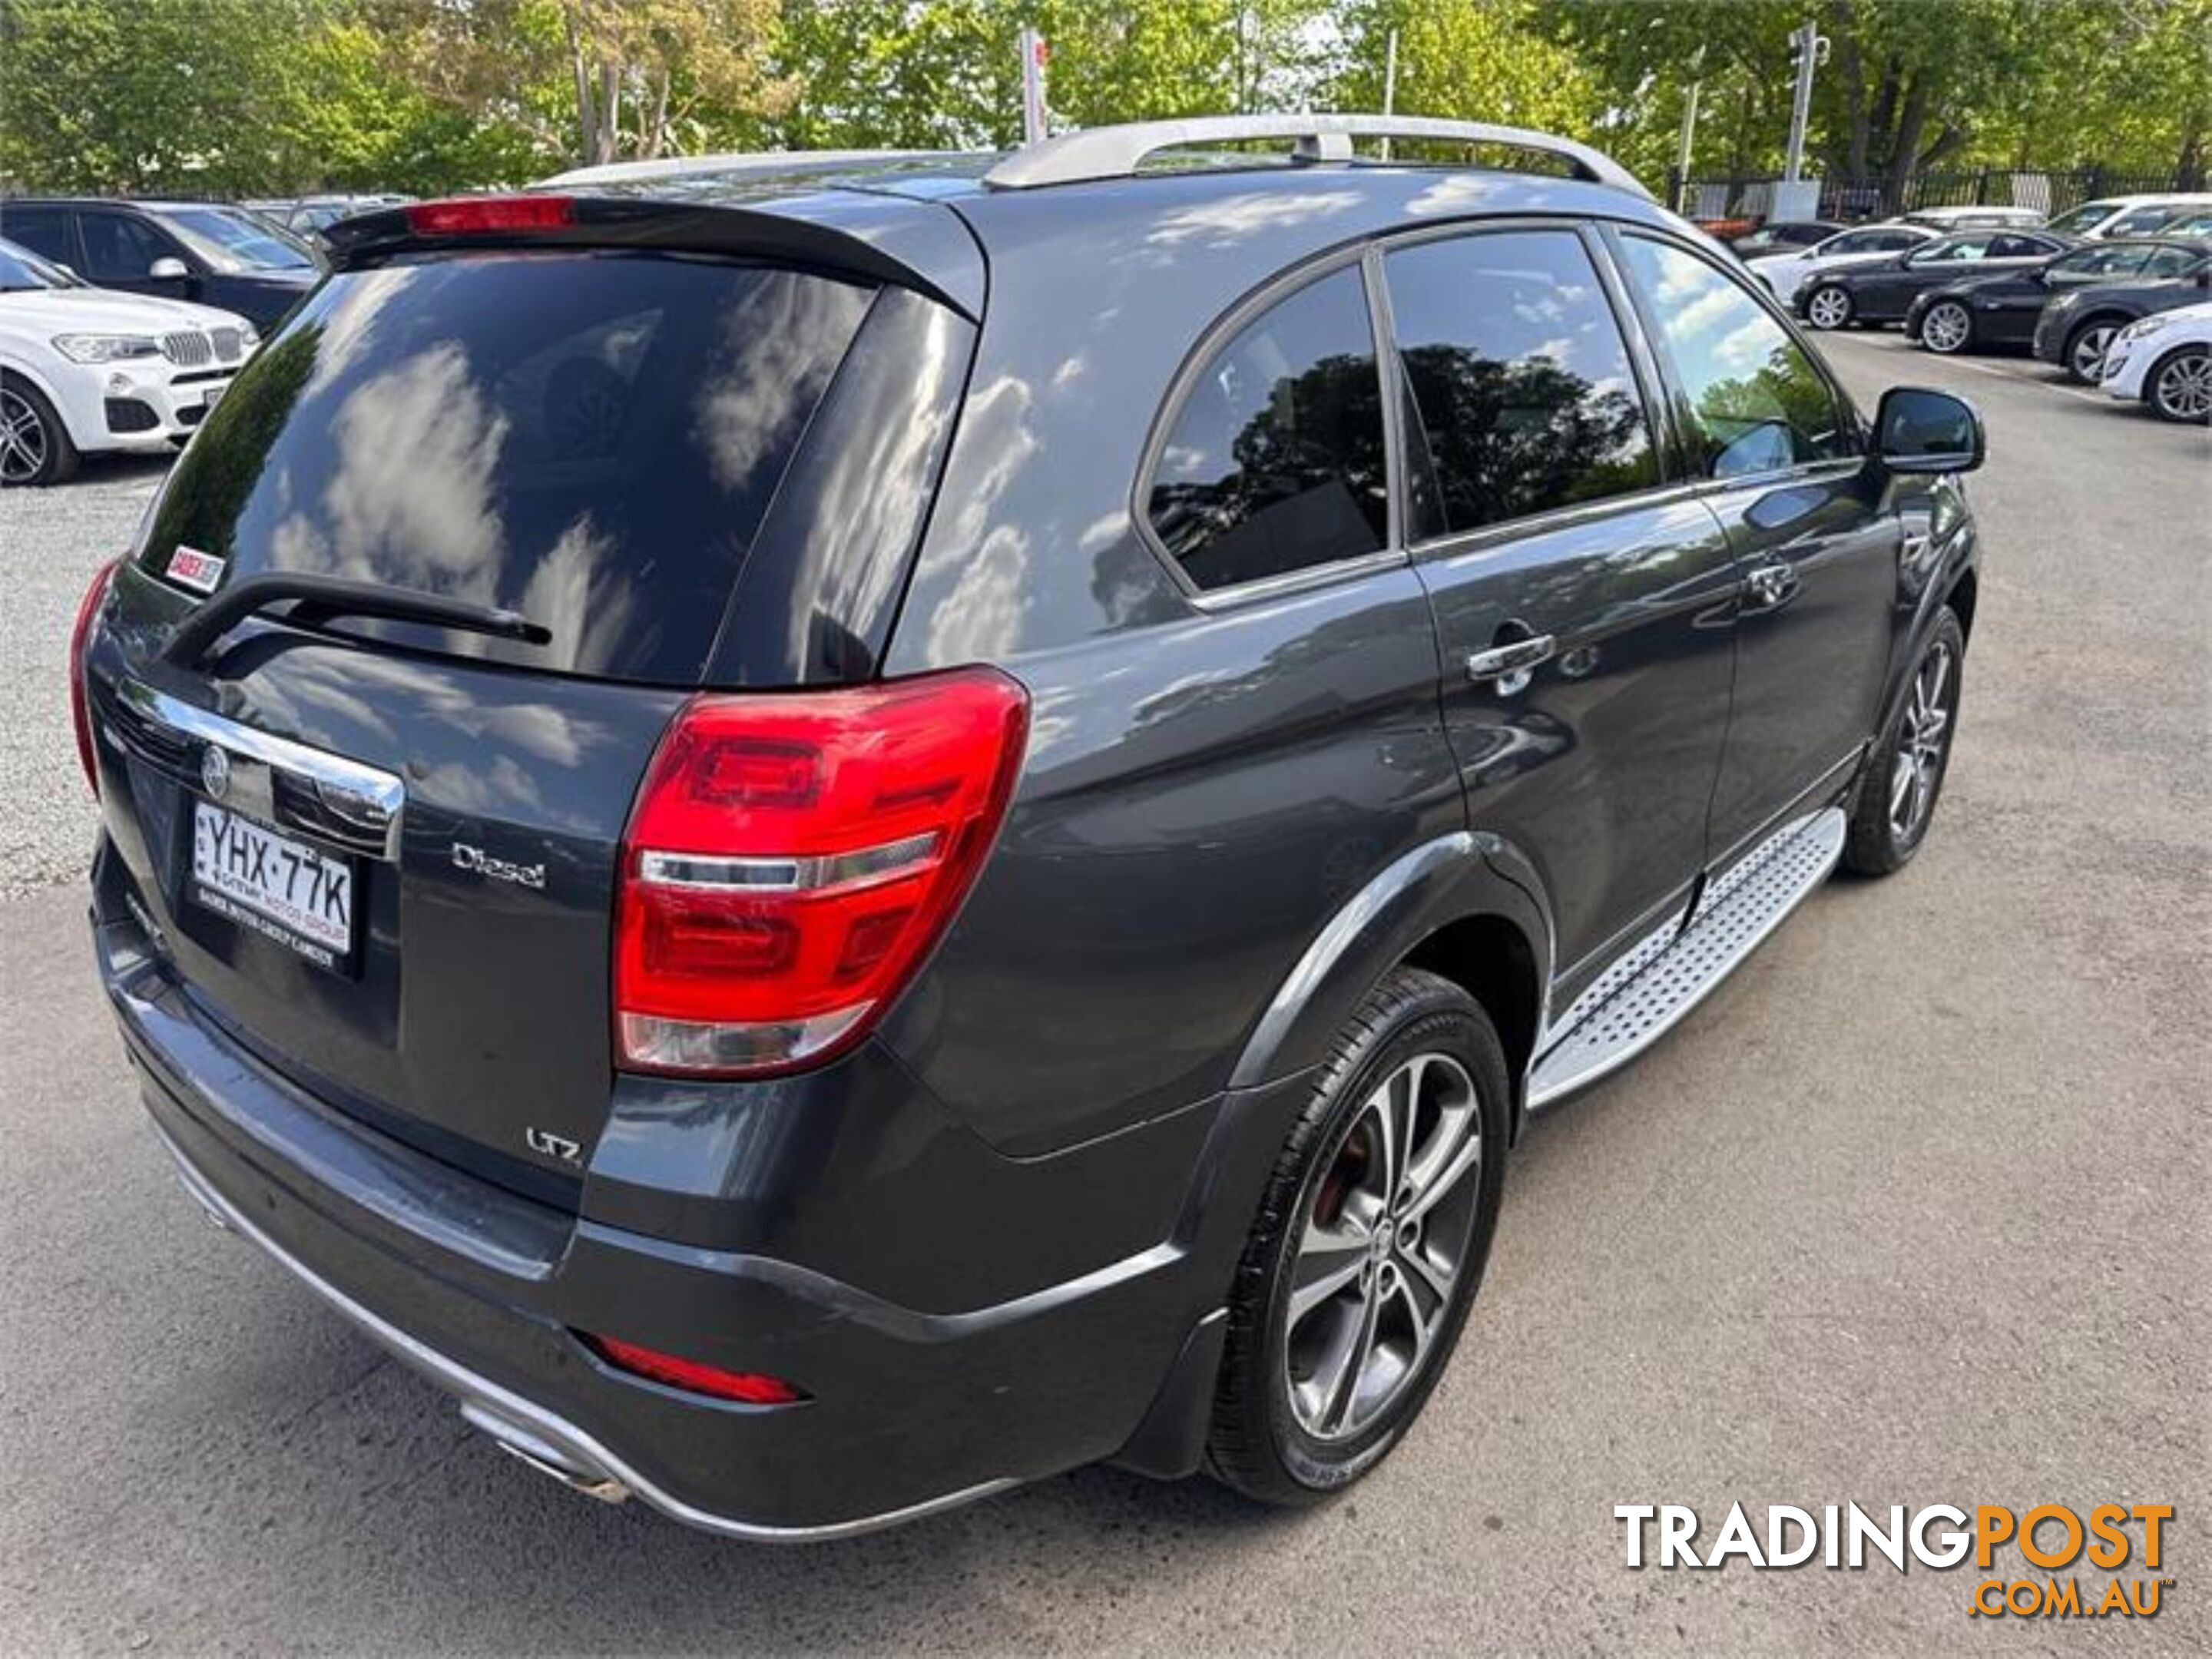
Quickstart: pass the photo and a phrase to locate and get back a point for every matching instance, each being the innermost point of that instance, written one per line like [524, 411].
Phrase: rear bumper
[482, 1291]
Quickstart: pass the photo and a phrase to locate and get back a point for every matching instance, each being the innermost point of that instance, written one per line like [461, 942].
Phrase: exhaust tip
[547, 1459]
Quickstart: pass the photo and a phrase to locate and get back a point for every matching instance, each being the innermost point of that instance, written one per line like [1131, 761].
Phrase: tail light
[80, 697]
[753, 1388]
[791, 858]
[487, 216]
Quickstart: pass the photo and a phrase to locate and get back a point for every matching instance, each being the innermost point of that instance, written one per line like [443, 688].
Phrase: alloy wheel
[1829, 309]
[1920, 746]
[1946, 328]
[24, 443]
[2087, 359]
[1381, 1247]
[2182, 389]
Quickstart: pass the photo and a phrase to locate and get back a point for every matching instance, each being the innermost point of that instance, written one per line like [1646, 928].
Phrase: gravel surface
[1912, 1210]
[50, 541]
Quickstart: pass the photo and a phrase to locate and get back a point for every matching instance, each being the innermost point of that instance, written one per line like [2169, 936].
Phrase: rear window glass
[592, 440]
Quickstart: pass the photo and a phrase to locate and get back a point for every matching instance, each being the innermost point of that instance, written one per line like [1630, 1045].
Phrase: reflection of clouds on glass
[411, 498]
[1745, 347]
[570, 592]
[993, 590]
[1455, 192]
[772, 364]
[1233, 217]
[346, 324]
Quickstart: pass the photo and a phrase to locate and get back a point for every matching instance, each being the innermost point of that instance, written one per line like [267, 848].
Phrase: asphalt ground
[1913, 1210]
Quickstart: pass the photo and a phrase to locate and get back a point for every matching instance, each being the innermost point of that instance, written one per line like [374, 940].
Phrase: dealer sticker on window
[190, 568]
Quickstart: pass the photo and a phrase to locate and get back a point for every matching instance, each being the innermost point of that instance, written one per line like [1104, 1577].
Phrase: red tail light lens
[482, 215]
[791, 858]
[80, 702]
[754, 1388]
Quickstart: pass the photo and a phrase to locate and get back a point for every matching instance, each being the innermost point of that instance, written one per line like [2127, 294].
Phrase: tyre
[34, 444]
[1947, 328]
[1903, 778]
[2180, 386]
[1369, 1246]
[1828, 307]
[2084, 356]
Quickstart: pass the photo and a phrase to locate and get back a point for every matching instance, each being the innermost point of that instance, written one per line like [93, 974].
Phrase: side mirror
[168, 271]
[1920, 429]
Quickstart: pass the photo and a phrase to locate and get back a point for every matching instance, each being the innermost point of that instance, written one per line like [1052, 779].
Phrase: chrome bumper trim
[532, 1432]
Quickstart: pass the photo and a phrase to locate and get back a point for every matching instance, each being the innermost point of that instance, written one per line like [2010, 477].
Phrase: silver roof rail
[762, 161]
[1117, 152]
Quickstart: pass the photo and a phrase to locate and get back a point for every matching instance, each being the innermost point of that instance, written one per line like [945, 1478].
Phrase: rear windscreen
[590, 439]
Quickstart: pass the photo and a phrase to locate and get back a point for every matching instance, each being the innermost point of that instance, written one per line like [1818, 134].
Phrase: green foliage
[248, 97]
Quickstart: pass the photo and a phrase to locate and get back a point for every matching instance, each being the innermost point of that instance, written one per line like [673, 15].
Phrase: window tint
[1895, 241]
[2019, 248]
[44, 230]
[1519, 378]
[1756, 400]
[2142, 219]
[593, 440]
[118, 248]
[1275, 460]
[2077, 221]
[1955, 249]
[2171, 262]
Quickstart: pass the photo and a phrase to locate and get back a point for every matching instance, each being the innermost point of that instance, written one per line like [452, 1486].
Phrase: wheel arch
[1447, 906]
[13, 366]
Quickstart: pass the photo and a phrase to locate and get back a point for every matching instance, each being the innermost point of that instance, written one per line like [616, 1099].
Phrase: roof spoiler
[906, 244]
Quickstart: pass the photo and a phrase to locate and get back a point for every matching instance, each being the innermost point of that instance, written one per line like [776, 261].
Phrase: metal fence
[1879, 198]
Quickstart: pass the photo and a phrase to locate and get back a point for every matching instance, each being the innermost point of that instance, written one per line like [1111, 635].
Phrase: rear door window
[1274, 461]
[590, 439]
[1520, 378]
[44, 230]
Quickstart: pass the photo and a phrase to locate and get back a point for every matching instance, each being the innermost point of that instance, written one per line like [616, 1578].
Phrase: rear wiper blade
[316, 598]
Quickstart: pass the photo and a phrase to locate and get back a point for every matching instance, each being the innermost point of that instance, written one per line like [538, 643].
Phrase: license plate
[282, 889]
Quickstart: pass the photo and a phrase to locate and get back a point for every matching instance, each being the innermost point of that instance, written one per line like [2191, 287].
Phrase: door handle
[1513, 663]
[1770, 586]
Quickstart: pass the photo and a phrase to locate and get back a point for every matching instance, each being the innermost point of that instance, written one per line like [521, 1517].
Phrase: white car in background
[2164, 360]
[1786, 273]
[2133, 216]
[85, 369]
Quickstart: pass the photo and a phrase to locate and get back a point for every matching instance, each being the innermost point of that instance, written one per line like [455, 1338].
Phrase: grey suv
[832, 833]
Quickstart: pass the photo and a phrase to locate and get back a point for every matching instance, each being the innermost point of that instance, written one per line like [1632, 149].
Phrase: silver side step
[1624, 1013]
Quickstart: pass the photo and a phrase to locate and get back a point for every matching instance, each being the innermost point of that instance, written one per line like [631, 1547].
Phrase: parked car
[815, 924]
[1784, 273]
[313, 215]
[2132, 216]
[1783, 235]
[1984, 312]
[83, 370]
[206, 252]
[1976, 216]
[2164, 361]
[2075, 327]
[1882, 290]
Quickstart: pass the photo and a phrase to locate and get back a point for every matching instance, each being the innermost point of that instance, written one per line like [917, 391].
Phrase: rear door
[1816, 548]
[382, 854]
[1581, 598]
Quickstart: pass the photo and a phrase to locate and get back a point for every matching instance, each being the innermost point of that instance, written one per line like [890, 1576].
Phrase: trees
[252, 96]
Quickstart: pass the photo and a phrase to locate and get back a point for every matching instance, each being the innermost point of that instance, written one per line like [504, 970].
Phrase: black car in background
[2076, 327]
[1884, 292]
[1979, 313]
[208, 252]
[817, 925]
